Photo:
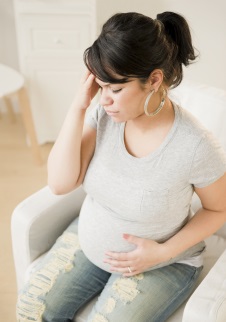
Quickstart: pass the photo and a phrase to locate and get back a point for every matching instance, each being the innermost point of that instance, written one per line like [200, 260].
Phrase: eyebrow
[104, 84]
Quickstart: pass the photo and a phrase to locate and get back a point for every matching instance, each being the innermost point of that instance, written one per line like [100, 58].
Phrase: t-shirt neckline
[159, 149]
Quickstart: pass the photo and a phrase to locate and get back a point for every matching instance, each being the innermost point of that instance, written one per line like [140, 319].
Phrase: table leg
[29, 124]
[9, 107]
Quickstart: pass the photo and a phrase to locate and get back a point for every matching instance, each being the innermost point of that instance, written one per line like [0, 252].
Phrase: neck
[145, 123]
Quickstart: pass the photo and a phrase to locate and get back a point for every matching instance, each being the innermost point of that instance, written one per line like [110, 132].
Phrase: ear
[155, 79]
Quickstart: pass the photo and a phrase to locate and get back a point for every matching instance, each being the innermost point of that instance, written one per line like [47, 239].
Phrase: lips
[111, 112]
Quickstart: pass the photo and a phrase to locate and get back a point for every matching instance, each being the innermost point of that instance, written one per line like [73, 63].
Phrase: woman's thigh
[63, 282]
[149, 297]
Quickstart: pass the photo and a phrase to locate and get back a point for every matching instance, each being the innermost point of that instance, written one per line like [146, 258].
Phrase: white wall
[206, 19]
[208, 26]
[8, 45]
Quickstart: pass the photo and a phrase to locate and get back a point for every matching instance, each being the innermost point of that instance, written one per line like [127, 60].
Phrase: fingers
[126, 263]
[126, 271]
[88, 88]
[119, 256]
[121, 265]
[132, 239]
[87, 79]
[118, 264]
[90, 80]
[124, 268]
[85, 75]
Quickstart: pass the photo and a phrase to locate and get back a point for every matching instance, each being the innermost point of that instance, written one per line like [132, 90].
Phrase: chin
[118, 119]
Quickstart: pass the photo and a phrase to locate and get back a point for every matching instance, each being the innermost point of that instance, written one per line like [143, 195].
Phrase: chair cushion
[206, 103]
[215, 245]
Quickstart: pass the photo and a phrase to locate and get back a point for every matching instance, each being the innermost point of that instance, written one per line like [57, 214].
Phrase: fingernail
[126, 236]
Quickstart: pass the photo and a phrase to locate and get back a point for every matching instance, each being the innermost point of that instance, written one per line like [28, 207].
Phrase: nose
[105, 98]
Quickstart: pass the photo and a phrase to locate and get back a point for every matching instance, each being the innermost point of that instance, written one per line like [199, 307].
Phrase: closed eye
[116, 90]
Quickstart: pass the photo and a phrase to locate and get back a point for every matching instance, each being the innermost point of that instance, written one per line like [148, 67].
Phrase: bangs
[99, 67]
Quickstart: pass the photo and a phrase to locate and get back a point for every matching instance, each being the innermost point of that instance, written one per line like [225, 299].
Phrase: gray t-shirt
[148, 197]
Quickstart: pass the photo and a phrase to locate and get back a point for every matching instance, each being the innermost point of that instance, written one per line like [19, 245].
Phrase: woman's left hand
[147, 253]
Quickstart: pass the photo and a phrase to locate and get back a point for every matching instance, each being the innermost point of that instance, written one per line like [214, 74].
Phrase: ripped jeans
[65, 280]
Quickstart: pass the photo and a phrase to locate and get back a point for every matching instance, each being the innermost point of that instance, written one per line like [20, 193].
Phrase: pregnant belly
[100, 231]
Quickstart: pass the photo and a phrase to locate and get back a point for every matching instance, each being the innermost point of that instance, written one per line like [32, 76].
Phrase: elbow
[60, 189]
[56, 190]
[61, 186]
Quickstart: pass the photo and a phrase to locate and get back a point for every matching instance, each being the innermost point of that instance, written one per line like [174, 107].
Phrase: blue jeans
[65, 280]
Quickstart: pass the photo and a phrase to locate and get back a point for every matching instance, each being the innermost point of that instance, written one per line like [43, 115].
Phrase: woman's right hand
[88, 88]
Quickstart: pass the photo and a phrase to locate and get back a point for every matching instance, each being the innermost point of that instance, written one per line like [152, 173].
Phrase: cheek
[130, 102]
[137, 102]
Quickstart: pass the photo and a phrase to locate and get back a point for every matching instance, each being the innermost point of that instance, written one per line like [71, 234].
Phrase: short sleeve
[209, 162]
[92, 116]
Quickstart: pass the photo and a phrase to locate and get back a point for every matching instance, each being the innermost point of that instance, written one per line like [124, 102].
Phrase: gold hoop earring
[158, 109]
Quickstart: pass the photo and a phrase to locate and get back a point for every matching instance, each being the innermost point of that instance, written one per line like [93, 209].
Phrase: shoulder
[189, 123]
[191, 129]
[208, 156]
[195, 138]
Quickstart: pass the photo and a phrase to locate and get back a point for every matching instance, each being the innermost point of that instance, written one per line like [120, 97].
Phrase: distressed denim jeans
[65, 280]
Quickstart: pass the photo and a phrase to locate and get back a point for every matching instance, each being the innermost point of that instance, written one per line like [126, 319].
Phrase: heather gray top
[150, 196]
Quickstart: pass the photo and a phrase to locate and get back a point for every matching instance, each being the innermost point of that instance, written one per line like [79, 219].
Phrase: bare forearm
[202, 225]
[64, 163]
[64, 159]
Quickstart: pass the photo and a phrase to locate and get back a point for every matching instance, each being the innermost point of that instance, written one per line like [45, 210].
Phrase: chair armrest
[208, 302]
[37, 222]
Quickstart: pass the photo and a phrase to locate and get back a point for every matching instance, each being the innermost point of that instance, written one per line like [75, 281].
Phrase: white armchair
[39, 220]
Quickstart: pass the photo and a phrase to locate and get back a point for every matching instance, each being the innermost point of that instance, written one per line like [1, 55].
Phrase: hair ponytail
[176, 27]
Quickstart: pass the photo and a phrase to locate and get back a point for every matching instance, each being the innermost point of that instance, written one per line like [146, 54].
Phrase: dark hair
[132, 45]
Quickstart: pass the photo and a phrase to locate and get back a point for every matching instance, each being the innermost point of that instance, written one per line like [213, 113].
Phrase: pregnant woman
[140, 157]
